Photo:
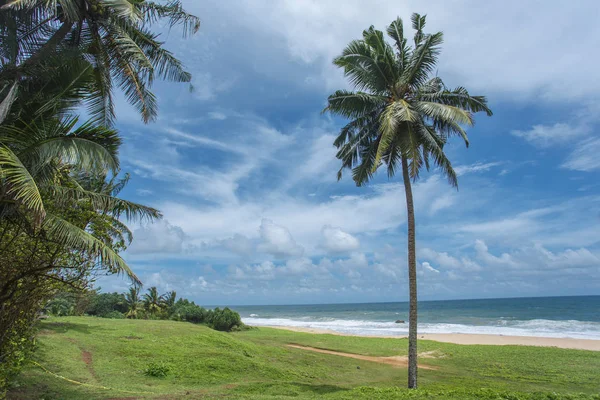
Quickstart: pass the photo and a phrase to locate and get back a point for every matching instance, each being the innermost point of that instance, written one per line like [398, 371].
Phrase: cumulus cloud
[336, 240]
[278, 241]
[158, 237]
[238, 244]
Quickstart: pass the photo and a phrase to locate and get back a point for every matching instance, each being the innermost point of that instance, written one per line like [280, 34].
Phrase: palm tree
[152, 301]
[41, 162]
[132, 299]
[400, 116]
[113, 35]
[168, 299]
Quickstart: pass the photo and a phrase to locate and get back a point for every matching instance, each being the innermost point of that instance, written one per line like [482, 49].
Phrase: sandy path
[466, 338]
[396, 361]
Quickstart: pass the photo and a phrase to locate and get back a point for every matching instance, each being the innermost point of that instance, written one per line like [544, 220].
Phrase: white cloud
[482, 253]
[428, 268]
[336, 240]
[278, 241]
[315, 32]
[585, 156]
[158, 237]
[447, 261]
[477, 167]
[550, 135]
[239, 244]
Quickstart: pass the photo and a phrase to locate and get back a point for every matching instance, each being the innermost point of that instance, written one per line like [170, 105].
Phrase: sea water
[559, 317]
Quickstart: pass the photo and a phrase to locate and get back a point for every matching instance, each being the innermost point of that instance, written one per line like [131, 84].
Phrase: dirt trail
[86, 356]
[396, 361]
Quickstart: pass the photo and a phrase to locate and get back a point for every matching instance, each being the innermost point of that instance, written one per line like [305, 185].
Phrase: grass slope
[109, 357]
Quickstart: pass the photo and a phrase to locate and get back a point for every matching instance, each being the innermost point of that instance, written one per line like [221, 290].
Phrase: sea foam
[536, 327]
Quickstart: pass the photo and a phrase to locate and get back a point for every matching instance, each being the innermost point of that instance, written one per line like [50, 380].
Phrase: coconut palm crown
[401, 115]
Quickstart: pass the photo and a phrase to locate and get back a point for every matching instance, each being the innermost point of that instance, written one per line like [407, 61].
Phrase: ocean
[559, 317]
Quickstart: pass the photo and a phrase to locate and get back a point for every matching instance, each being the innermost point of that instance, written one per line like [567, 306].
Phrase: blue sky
[244, 169]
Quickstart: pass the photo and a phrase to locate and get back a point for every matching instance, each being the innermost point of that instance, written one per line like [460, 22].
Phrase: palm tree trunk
[412, 280]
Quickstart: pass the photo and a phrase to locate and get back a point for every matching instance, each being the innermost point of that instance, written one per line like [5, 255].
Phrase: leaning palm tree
[153, 301]
[400, 116]
[113, 34]
[132, 299]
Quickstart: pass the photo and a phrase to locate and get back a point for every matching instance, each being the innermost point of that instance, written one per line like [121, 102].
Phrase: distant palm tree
[168, 299]
[401, 116]
[132, 299]
[152, 301]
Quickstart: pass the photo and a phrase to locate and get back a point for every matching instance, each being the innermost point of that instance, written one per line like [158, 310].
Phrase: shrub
[104, 303]
[224, 320]
[157, 370]
[114, 315]
[185, 310]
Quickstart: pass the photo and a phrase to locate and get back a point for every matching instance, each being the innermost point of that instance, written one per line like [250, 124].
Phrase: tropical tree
[153, 301]
[114, 35]
[400, 117]
[169, 299]
[40, 163]
[132, 299]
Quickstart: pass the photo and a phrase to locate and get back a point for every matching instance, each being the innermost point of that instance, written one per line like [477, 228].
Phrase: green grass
[114, 356]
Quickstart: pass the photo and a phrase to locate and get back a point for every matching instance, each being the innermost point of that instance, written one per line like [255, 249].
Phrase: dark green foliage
[224, 320]
[106, 304]
[62, 305]
[157, 370]
[185, 310]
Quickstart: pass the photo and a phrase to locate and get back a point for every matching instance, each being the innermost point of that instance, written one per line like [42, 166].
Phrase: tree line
[135, 305]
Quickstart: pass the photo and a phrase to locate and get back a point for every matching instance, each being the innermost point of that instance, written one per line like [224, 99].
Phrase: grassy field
[107, 359]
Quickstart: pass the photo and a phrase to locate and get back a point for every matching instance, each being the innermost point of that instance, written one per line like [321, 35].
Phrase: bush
[62, 305]
[185, 310]
[224, 320]
[104, 304]
[114, 315]
[157, 370]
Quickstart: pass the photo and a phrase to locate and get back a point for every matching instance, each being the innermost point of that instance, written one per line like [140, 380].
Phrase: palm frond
[107, 203]
[353, 104]
[172, 11]
[74, 237]
[18, 182]
[443, 112]
[8, 100]
[423, 60]
[124, 9]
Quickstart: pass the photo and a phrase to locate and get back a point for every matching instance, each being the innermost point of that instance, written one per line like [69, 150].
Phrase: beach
[470, 339]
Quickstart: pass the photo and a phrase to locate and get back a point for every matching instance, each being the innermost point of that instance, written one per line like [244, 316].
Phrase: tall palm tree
[400, 116]
[153, 301]
[132, 299]
[113, 35]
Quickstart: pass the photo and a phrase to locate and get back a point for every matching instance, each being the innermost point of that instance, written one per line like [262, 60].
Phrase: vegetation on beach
[151, 306]
[122, 358]
[401, 116]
